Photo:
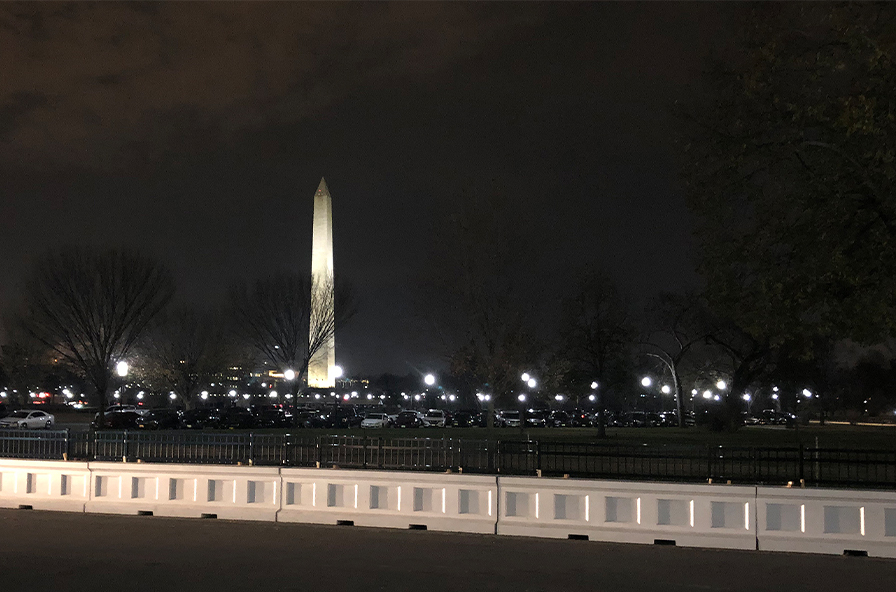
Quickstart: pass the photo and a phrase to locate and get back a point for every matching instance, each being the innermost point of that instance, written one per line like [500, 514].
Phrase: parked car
[25, 419]
[197, 419]
[465, 419]
[236, 418]
[435, 418]
[559, 419]
[583, 419]
[121, 420]
[159, 419]
[270, 416]
[309, 419]
[536, 418]
[409, 419]
[510, 419]
[114, 409]
[343, 417]
[376, 419]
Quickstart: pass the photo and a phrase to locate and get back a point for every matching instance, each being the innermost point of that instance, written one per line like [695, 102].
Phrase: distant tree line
[84, 311]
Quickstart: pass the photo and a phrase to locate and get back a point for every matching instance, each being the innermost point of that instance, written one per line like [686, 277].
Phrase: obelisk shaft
[321, 367]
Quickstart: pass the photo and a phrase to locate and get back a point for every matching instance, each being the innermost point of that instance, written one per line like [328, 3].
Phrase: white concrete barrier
[44, 485]
[238, 493]
[714, 516]
[435, 501]
[827, 521]
[717, 516]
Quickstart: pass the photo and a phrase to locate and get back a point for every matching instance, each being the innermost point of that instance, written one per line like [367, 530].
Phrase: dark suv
[159, 419]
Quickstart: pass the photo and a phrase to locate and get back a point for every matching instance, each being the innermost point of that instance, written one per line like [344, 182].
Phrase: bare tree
[477, 294]
[288, 317]
[90, 307]
[182, 350]
[677, 326]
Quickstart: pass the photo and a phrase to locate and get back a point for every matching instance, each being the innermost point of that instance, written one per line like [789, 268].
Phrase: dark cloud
[198, 132]
[16, 106]
[110, 68]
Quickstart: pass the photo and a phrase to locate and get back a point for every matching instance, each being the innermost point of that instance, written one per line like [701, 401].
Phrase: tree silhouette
[90, 307]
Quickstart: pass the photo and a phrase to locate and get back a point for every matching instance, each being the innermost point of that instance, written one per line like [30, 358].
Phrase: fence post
[364, 450]
[459, 455]
[67, 454]
[495, 458]
[320, 452]
[709, 471]
[379, 452]
[802, 476]
[125, 451]
[251, 449]
[538, 457]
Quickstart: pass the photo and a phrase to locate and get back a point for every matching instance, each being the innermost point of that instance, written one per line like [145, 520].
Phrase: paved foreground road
[62, 551]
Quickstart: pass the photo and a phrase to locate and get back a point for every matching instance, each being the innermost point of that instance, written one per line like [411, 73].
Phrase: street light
[594, 385]
[337, 371]
[121, 368]
[521, 398]
[707, 394]
[666, 389]
[646, 381]
[721, 385]
[525, 377]
[289, 374]
[429, 379]
[531, 382]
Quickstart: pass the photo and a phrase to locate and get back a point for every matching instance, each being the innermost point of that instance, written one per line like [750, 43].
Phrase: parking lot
[62, 551]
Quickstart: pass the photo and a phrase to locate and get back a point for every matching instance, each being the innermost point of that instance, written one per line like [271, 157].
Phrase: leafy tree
[90, 307]
[790, 163]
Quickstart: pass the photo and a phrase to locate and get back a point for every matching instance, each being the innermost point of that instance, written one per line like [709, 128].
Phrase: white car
[26, 419]
[376, 420]
[435, 418]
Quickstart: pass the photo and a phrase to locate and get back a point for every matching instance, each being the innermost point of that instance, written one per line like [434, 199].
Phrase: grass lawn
[836, 436]
[828, 436]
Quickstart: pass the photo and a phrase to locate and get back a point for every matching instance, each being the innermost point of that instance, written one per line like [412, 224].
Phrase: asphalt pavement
[67, 551]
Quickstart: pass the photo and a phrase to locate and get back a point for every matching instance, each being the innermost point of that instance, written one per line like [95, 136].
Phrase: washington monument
[322, 366]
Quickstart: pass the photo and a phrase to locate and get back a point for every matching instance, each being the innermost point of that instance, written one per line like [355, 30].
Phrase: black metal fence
[814, 466]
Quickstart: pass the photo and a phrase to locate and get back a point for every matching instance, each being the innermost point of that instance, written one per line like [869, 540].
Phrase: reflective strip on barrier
[712, 516]
[827, 521]
[44, 485]
[718, 516]
[456, 503]
[238, 493]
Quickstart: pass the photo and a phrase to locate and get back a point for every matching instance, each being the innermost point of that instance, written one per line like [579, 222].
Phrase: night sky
[198, 133]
